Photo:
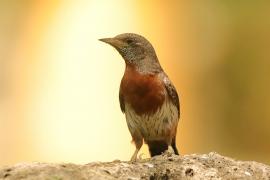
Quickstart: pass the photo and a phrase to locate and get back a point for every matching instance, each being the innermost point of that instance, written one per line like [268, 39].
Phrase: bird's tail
[157, 147]
[174, 146]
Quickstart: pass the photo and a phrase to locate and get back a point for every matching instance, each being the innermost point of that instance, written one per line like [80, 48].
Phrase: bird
[147, 96]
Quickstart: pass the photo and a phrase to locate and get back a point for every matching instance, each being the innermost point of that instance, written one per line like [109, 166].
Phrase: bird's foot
[134, 156]
[141, 156]
[167, 153]
[133, 159]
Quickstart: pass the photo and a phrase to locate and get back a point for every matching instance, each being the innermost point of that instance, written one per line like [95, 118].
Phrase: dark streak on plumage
[171, 92]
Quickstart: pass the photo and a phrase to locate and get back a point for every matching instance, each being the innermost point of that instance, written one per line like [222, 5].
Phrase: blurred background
[59, 84]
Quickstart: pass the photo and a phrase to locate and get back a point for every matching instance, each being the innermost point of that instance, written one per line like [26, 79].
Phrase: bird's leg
[134, 156]
[138, 143]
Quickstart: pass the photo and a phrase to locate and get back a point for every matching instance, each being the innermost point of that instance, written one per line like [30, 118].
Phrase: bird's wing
[122, 102]
[173, 96]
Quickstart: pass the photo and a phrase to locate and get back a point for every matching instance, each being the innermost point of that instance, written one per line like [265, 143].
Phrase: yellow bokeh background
[59, 84]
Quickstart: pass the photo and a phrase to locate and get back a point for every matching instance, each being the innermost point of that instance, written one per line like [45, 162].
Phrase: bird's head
[135, 49]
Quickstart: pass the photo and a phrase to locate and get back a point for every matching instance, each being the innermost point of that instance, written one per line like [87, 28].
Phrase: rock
[167, 166]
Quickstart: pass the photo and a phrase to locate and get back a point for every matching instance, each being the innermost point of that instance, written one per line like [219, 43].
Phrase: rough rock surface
[167, 166]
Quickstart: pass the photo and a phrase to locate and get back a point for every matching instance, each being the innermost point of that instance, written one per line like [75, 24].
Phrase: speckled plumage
[147, 96]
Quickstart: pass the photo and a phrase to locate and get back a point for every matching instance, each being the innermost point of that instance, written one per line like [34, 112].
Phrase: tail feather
[157, 147]
[174, 146]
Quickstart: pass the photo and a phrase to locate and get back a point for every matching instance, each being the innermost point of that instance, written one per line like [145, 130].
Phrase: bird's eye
[129, 41]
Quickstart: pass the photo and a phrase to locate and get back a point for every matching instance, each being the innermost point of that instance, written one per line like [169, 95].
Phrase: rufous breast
[144, 92]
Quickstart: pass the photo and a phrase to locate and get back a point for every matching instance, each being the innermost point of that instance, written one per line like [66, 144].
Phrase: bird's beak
[113, 42]
[107, 40]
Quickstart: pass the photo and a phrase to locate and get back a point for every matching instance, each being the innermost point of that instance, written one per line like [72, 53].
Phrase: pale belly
[161, 125]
